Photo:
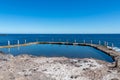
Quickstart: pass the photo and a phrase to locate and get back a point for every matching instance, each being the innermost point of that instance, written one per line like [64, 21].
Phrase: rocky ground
[26, 67]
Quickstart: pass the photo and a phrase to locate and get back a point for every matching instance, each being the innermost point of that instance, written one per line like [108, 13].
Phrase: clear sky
[59, 16]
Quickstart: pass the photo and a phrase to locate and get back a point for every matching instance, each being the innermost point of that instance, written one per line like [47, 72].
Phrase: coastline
[27, 67]
[107, 50]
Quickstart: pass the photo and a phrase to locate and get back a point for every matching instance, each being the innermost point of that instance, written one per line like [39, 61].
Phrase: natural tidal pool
[54, 50]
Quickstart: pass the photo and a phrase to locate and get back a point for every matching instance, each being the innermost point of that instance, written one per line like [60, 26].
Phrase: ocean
[60, 50]
[110, 38]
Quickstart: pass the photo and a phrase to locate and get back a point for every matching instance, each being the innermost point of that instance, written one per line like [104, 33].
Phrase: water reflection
[9, 50]
[18, 48]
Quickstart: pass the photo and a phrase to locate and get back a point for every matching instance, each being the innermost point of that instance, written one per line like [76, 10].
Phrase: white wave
[116, 49]
[109, 47]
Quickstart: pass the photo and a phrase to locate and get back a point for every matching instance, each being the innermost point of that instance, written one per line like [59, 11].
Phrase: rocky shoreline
[26, 67]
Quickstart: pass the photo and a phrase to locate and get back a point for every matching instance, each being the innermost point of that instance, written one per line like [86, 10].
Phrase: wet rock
[74, 76]
[85, 69]
[44, 70]
[114, 79]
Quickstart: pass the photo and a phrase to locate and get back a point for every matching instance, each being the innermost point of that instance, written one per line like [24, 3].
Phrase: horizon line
[59, 33]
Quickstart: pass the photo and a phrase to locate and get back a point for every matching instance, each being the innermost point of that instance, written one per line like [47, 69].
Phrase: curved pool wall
[55, 50]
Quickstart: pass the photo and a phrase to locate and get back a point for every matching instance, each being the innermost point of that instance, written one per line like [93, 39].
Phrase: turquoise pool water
[53, 50]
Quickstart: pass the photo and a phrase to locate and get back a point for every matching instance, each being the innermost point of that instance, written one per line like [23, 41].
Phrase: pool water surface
[54, 50]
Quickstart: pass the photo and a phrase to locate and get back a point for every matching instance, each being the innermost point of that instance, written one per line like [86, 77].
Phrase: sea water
[80, 38]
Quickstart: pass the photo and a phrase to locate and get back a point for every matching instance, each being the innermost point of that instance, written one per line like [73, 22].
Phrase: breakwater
[104, 48]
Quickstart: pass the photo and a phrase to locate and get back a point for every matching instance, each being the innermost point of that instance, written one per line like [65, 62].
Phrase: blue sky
[59, 16]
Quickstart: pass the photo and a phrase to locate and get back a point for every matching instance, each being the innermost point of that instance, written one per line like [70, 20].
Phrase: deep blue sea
[60, 50]
[110, 38]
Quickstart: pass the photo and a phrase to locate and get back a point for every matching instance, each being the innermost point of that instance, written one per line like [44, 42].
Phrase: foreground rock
[26, 67]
